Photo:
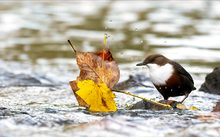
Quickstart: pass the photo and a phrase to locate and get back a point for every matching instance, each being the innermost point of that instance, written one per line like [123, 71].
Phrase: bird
[168, 76]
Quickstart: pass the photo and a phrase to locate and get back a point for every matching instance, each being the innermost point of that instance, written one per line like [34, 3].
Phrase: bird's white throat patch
[160, 74]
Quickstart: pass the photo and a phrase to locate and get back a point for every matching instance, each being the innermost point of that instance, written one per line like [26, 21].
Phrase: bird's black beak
[140, 64]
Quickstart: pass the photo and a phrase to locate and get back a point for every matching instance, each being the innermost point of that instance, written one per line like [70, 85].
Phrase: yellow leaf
[180, 106]
[98, 97]
[193, 108]
[183, 107]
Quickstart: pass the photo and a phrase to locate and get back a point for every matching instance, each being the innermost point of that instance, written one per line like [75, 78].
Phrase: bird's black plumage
[180, 70]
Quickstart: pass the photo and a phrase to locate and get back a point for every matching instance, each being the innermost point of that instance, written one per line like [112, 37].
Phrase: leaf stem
[103, 51]
[105, 40]
[72, 46]
[145, 99]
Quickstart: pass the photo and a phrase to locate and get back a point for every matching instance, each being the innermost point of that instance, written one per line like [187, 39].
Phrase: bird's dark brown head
[154, 59]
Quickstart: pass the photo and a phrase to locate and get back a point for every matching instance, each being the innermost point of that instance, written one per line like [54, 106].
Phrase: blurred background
[34, 52]
[35, 33]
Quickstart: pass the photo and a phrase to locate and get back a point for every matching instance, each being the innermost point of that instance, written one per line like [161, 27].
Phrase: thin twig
[105, 41]
[103, 51]
[72, 46]
[145, 99]
[143, 85]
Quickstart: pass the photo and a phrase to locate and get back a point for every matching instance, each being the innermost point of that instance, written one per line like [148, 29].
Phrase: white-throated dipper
[168, 76]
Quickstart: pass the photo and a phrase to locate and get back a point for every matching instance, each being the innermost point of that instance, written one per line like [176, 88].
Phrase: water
[36, 64]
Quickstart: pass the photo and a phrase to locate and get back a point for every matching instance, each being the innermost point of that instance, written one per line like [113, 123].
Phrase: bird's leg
[187, 94]
[165, 100]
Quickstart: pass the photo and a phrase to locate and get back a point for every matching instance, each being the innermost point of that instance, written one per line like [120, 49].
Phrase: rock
[50, 110]
[132, 81]
[5, 113]
[143, 104]
[217, 107]
[11, 79]
[212, 82]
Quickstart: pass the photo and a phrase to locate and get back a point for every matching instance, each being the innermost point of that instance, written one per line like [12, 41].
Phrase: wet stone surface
[28, 109]
[53, 111]
[10, 79]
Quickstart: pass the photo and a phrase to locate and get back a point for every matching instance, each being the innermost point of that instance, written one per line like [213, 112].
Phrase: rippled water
[36, 64]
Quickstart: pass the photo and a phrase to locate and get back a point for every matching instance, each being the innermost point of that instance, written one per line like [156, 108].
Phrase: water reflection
[42, 30]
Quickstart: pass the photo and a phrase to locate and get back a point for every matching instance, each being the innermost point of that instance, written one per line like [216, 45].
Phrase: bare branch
[165, 106]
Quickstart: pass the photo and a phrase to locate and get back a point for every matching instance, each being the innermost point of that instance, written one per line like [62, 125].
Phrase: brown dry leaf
[99, 67]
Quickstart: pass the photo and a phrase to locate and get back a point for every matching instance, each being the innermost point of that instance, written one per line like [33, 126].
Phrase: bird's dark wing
[182, 71]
